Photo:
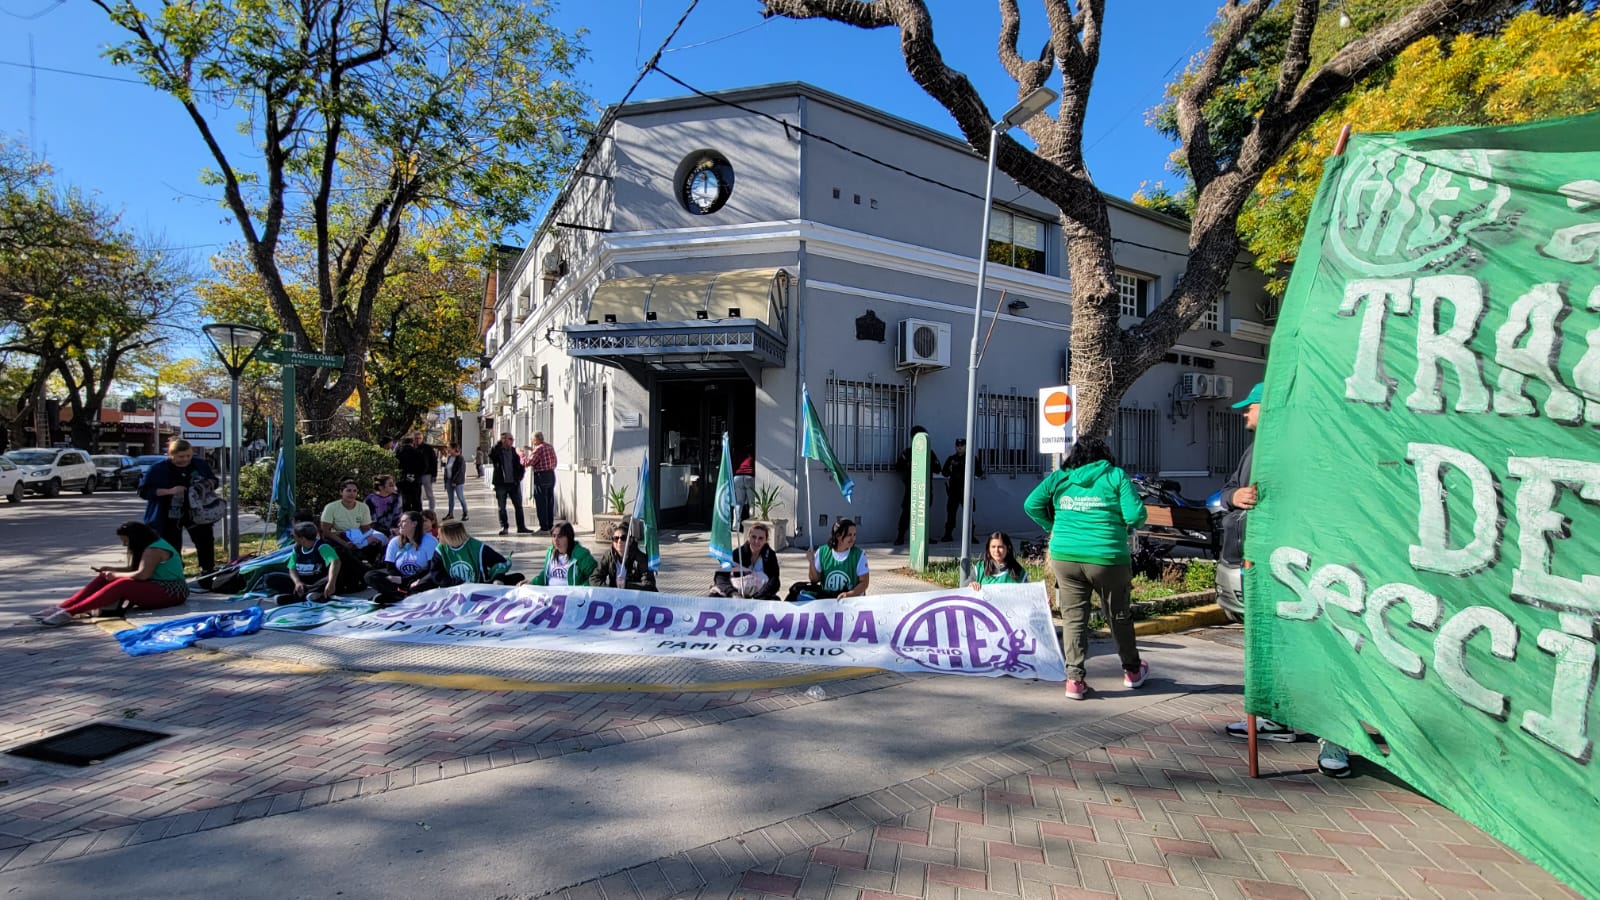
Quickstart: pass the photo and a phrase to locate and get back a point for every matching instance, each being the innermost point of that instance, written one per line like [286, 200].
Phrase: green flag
[722, 511]
[814, 445]
[1426, 547]
[644, 510]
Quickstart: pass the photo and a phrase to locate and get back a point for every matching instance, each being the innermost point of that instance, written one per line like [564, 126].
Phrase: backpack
[205, 506]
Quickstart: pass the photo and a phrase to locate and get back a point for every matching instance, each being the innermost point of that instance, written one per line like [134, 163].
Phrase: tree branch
[1193, 130]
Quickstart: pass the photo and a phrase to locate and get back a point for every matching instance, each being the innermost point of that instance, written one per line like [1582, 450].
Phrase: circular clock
[705, 183]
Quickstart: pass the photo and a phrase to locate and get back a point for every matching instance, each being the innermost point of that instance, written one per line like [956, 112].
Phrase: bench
[1177, 522]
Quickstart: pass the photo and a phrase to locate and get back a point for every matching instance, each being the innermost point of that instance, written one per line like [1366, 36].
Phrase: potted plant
[616, 512]
[765, 499]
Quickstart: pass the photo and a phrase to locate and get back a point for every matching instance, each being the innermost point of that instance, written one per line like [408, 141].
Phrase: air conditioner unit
[1223, 385]
[553, 264]
[923, 344]
[502, 391]
[531, 379]
[1189, 384]
[491, 343]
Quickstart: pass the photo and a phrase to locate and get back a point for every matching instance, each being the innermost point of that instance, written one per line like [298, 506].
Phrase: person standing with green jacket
[1088, 508]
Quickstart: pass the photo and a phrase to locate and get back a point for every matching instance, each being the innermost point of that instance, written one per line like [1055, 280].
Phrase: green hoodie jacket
[583, 566]
[1088, 511]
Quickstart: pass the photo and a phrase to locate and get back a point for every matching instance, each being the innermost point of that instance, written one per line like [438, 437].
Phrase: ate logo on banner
[953, 634]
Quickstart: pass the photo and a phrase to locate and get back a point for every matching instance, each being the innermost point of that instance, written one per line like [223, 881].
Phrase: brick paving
[1156, 803]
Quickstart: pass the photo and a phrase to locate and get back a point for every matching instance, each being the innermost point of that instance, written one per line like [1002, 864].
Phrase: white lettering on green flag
[721, 548]
[1427, 544]
[814, 445]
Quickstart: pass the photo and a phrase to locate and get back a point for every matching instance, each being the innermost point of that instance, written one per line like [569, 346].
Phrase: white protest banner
[1005, 630]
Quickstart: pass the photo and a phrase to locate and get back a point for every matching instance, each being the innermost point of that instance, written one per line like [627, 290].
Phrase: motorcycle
[1152, 546]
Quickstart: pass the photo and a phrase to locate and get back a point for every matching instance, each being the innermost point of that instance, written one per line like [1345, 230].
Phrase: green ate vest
[838, 572]
[465, 563]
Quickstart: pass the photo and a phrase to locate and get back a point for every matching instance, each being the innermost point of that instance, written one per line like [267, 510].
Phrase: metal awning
[704, 322]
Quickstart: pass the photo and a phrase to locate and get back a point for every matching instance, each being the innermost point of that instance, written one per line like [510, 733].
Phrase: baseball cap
[1253, 397]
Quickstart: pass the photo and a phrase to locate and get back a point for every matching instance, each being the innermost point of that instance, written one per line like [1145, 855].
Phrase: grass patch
[1151, 596]
[249, 544]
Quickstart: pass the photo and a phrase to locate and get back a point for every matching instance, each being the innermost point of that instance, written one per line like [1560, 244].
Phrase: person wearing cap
[1240, 495]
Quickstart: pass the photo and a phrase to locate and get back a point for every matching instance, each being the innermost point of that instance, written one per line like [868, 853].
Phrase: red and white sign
[1058, 418]
[203, 423]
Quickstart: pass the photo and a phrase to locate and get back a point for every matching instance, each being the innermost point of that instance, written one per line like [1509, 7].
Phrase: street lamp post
[236, 346]
[1026, 108]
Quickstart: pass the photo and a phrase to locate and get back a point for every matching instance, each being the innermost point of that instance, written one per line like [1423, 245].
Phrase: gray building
[711, 255]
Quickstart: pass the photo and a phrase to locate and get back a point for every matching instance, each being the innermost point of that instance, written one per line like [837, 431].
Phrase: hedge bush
[319, 468]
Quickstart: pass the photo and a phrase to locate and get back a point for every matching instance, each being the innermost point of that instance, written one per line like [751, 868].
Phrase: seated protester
[567, 562]
[156, 583]
[347, 525]
[406, 561]
[755, 569]
[838, 569]
[313, 569]
[384, 501]
[623, 564]
[999, 565]
[460, 559]
[430, 523]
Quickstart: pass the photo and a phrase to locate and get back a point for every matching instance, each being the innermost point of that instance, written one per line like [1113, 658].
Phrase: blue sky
[138, 152]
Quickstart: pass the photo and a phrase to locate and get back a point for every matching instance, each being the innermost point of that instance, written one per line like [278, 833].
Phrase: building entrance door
[693, 415]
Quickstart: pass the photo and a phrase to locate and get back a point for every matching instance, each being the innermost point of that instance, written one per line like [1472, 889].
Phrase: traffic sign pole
[289, 437]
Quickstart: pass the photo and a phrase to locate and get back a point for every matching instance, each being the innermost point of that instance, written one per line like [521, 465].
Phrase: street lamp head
[1026, 108]
[235, 343]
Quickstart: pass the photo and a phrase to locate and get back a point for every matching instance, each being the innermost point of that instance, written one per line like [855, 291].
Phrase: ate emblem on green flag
[1426, 549]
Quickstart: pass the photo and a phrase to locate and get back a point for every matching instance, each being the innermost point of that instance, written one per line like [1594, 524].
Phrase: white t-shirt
[411, 561]
[557, 570]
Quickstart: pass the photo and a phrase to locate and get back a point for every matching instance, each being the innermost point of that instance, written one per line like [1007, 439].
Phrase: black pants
[392, 592]
[952, 513]
[813, 588]
[512, 492]
[281, 584]
[410, 494]
[544, 498]
[204, 537]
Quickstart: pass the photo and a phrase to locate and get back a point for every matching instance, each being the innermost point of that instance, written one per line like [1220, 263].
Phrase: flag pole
[811, 535]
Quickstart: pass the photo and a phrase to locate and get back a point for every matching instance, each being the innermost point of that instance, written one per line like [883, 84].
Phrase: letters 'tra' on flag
[814, 445]
[722, 511]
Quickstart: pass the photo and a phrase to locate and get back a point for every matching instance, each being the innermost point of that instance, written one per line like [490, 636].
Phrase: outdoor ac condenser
[922, 344]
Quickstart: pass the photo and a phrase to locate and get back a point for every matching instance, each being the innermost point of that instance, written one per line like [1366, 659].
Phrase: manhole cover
[87, 744]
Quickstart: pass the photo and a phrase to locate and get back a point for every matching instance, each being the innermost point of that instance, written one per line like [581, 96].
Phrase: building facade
[712, 255]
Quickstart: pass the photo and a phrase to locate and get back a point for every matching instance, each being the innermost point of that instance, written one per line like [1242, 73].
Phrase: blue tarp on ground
[175, 634]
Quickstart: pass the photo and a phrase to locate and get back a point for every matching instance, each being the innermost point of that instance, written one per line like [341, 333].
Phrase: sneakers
[1134, 678]
[1076, 688]
[1333, 760]
[57, 619]
[1266, 730]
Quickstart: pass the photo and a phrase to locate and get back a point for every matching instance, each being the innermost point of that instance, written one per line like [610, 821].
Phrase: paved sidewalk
[286, 779]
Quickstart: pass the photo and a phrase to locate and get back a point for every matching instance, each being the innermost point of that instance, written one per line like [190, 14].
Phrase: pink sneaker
[1076, 689]
[1134, 678]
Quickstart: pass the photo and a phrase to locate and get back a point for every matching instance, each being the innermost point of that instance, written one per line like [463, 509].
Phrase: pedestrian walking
[165, 489]
[455, 482]
[955, 474]
[430, 472]
[506, 477]
[903, 468]
[542, 462]
[1088, 507]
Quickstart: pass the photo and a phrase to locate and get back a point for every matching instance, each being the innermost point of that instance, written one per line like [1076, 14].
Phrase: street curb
[1193, 617]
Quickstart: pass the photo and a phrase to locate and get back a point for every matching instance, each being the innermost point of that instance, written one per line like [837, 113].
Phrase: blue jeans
[456, 492]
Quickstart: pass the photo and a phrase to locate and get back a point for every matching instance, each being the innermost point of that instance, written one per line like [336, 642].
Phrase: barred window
[866, 423]
[544, 419]
[1211, 318]
[1133, 295]
[1138, 440]
[592, 424]
[1007, 439]
[1228, 440]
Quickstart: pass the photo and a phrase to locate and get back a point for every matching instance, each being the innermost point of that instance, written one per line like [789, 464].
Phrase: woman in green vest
[999, 565]
[838, 569]
[567, 562]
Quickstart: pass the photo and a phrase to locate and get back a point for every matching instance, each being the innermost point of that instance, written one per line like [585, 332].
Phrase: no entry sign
[203, 423]
[1058, 419]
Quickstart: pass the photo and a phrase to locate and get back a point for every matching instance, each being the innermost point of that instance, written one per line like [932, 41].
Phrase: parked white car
[11, 486]
[47, 470]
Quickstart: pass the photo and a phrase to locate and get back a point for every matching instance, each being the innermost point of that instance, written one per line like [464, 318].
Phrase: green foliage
[766, 498]
[617, 500]
[318, 470]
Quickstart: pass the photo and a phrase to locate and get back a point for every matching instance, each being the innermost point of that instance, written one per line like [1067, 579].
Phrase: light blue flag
[644, 509]
[722, 511]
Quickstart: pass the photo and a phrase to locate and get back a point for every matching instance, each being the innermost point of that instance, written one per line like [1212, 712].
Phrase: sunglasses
[619, 537]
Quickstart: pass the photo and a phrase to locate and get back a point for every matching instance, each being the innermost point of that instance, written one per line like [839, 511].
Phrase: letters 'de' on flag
[814, 445]
[1426, 548]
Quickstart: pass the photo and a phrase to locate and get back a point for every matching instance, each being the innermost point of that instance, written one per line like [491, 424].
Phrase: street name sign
[300, 358]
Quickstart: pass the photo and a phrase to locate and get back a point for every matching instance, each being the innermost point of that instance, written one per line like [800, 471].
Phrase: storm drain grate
[87, 744]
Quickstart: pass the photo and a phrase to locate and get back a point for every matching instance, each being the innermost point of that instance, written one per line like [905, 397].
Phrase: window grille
[1133, 295]
[866, 422]
[544, 417]
[1211, 318]
[1228, 440]
[591, 424]
[1007, 436]
[1016, 241]
[1138, 440]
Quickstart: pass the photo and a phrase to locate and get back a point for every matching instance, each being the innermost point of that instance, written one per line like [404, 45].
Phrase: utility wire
[731, 34]
[17, 65]
[29, 17]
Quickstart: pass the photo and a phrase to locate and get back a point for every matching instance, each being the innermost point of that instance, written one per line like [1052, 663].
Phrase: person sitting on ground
[623, 564]
[567, 562]
[347, 526]
[462, 559]
[754, 574]
[406, 561]
[999, 565]
[156, 581]
[385, 501]
[838, 570]
[313, 569]
[430, 522]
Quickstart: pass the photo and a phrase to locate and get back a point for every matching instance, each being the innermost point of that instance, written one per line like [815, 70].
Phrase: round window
[705, 181]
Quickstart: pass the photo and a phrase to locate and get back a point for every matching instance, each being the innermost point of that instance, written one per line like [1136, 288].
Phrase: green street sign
[297, 358]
